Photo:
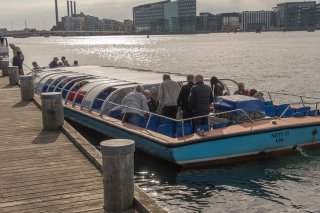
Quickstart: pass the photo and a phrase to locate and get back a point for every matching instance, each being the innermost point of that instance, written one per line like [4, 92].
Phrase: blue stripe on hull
[209, 150]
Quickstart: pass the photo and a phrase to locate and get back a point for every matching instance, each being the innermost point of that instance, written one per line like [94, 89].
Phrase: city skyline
[40, 13]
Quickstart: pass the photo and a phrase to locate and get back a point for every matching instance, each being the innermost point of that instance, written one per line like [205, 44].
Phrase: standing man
[15, 50]
[17, 61]
[167, 96]
[199, 101]
[184, 96]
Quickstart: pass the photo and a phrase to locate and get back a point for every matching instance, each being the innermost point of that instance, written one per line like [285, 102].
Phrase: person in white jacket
[167, 97]
[135, 100]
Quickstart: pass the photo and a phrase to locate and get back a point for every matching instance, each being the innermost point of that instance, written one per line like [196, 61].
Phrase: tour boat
[240, 127]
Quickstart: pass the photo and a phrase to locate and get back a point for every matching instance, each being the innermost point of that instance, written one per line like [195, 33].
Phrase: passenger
[15, 50]
[54, 63]
[152, 104]
[64, 61]
[35, 66]
[60, 64]
[75, 63]
[17, 61]
[241, 90]
[135, 100]
[184, 96]
[168, 94]
[217, 87]
[254, 93]
[199, 101]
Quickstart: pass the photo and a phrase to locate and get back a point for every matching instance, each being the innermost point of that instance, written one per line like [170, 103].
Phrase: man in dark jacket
[54, 63]
[199, 101]
[17, 61]
[184, 96]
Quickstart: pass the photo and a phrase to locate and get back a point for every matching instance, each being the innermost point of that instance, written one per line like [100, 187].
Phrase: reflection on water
[281, 62]
[289, 183]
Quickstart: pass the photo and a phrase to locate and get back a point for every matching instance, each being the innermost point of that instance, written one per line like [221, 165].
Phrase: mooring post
[1, 60]
[13, 73]
[118, 173]
[26, 87]
[52, 110]
[4, 67]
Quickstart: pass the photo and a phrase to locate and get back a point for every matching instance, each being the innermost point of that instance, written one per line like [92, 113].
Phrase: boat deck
[41, 171]
[240, 129]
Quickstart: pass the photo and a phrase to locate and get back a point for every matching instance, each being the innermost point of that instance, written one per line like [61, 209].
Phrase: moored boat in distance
[240, 128]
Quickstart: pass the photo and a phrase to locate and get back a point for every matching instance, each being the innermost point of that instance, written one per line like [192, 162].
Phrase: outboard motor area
[4, 49]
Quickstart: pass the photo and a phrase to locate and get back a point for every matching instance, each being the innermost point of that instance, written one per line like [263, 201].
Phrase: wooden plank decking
[41, 171]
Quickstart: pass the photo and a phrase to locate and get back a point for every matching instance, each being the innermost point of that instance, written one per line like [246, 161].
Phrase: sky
[40, 14]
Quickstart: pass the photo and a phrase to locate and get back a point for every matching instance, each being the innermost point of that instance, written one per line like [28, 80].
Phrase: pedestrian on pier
[15, 50]
[17, 61]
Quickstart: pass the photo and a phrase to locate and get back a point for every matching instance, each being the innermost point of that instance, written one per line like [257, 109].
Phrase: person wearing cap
[241, 90]
[17, 61]
[54, 63]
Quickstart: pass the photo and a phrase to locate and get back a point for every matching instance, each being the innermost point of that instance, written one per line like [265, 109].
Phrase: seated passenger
[217, 87]
[241, 90]
[135, 100]
[35, 66]
[54, 63]
[254, 93]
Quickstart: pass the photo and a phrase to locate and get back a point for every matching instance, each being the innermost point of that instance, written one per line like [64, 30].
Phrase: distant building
[171, 14]
[318, 16]
[82, 22]
[296, 15]
[230, 22]
[128, 26]
[187, 15]
[209, 23]
[166, 16]
[3, 30]
[149, 17]
[252, 20]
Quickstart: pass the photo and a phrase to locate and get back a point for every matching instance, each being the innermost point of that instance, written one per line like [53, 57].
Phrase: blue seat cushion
[153, 124]
[116, 114]
[313, 113]
[188, 129]
[168, 130]
[219, 125]
[136, 120]
[268, 103]
[298, 114]
[270, 111]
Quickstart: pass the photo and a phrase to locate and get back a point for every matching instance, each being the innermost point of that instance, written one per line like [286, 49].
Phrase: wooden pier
[42, 171]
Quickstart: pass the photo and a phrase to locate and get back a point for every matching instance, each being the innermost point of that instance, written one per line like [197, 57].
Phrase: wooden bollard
[26, 87]
[118, 174]
[13, 73]
[4, 67]
[1, 60]
[52, 110]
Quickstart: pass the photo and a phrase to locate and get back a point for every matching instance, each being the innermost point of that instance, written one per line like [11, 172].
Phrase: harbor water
[273, 61]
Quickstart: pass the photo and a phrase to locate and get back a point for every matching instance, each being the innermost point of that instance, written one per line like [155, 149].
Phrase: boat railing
[302, 98]
[182, 121]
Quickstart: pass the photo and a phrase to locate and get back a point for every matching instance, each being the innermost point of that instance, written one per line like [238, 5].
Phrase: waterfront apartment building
[166, 16]
[82, 22]
[187, 15]
[252, 20]
[318, 16]
[296, 15]
[230, 22]
[209, 22]
[149, 17]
